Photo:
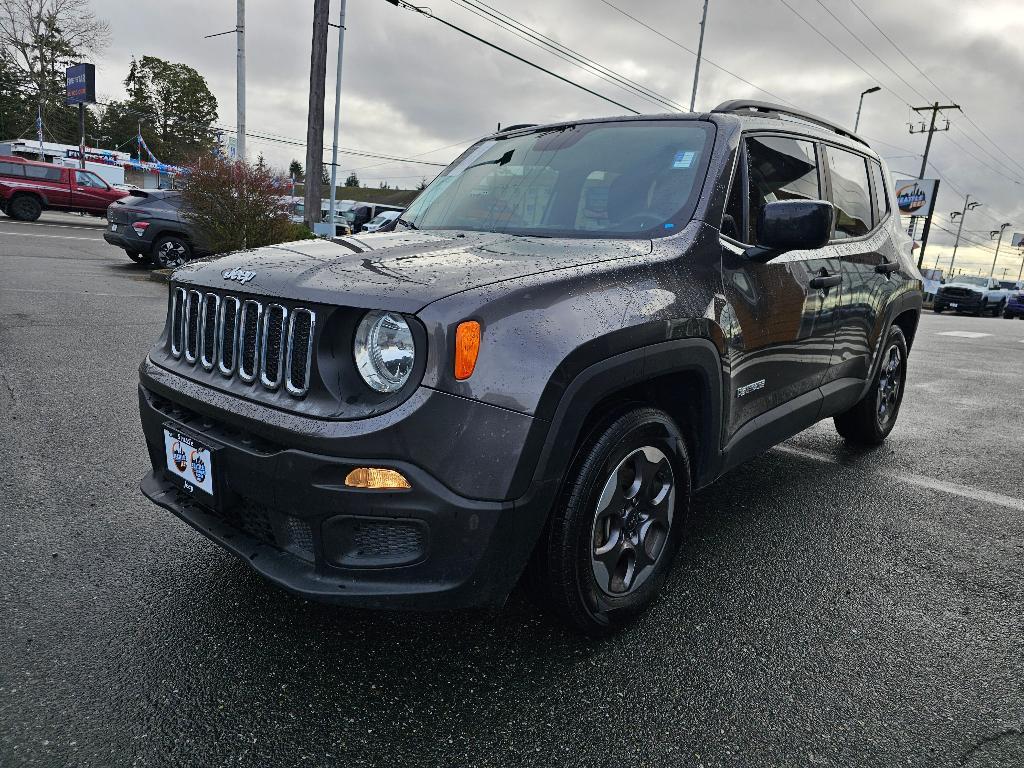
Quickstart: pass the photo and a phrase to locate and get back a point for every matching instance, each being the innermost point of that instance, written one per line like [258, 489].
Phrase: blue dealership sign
[81, 84]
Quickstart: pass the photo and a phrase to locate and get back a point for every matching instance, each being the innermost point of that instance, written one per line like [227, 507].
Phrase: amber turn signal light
[467, 347]
[377, 479]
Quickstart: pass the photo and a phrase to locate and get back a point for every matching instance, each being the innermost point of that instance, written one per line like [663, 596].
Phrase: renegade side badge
[748, 388]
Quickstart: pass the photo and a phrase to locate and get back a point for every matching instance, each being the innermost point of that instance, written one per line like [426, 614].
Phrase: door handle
[824, 282]
[887, 268]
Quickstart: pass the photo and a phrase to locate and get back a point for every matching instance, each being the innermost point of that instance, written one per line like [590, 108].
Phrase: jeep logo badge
[241, 275]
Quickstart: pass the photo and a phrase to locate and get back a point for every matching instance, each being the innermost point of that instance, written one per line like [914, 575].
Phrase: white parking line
[964, 334]
[55, 237]
[953, 489]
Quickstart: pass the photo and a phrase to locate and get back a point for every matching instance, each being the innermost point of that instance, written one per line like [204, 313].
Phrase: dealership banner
[1017, 241]
[916, 197]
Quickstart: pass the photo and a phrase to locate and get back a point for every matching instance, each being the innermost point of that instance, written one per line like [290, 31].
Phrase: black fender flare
[550, 445]
[910, 301]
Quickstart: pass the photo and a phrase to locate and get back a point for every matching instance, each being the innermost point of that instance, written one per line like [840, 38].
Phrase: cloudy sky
[413, 87]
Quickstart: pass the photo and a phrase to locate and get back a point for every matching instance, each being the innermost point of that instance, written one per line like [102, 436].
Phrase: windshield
[624, 179]
[983, 282]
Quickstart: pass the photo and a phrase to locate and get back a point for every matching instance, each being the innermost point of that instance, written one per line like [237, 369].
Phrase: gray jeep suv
[571, 330]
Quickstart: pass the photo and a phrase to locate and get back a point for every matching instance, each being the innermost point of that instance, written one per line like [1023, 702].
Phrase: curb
[160, 275]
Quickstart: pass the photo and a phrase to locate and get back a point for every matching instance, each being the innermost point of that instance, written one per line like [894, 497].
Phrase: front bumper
[968, 303]
[286, 512]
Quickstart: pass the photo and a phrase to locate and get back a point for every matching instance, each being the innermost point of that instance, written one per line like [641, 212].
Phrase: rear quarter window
[42, 173]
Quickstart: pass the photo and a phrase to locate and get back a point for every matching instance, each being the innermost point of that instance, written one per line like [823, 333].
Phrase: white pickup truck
[976, 295]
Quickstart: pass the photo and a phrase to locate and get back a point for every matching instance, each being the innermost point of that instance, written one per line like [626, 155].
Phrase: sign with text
[915, 197]
[81, 84]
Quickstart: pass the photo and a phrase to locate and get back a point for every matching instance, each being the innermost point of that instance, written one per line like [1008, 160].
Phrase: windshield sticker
[683, 159]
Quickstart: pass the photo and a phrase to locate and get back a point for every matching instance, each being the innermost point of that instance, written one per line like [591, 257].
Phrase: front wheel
[981, 308]
[871, 420]
[937, 309]
[170, 252]
[614, 531]
[998, 309]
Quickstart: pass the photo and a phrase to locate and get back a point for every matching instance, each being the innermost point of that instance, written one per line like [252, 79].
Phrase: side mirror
[791, 225]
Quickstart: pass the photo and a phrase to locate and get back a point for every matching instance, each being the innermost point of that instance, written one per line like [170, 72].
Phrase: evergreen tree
[295, 170]
[352, 180]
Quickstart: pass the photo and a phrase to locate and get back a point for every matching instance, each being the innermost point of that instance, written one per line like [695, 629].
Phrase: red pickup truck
[27, 188]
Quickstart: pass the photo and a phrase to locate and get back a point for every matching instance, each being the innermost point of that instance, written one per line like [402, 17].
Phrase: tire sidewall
[15, 212]
[160, 261]
[600, 612]
[895, 336]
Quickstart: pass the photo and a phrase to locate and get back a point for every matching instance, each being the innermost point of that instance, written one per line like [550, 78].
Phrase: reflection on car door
[88, 193]
[857, 189]
[780, 329]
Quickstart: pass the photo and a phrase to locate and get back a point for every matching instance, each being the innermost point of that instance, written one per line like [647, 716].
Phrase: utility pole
[700, 51]
[81, 133]
[968, 206]
[337, 118]
[935, 109]
[240, 80]
[860, 104]
[999, 242]
[315, 123]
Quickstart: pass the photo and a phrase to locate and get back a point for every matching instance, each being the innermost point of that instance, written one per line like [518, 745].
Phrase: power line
[495, 46]
[706, 60]
[577, 59]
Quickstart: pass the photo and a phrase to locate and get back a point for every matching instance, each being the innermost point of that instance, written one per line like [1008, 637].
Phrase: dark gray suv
[570, 331]
[150, 225]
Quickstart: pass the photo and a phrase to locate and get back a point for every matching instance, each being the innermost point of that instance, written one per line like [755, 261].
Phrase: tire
[135, 256]
[871, 420]
[1007, 315]
[585, 568]
[981, 308]
[171, 251]
[937, 309]
[998, 309]
[25, 208]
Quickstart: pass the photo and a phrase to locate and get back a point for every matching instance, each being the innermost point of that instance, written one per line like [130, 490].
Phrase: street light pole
[999, 242]
[968, 206]
[700, 52]
[337, 118]
[860, 104]
[240, 81]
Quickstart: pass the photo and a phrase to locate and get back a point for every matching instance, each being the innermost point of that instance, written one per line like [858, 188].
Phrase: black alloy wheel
[25, 208]
[614, 531]
[870, 421]
[171, 252]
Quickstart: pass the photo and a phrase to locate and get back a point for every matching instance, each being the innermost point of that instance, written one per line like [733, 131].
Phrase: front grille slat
[271, 342]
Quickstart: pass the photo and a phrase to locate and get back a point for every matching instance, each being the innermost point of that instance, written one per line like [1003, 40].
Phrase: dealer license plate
[189, 461]
[953, 306]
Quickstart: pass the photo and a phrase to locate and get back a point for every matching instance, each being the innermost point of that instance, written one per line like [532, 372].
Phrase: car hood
[400, 271]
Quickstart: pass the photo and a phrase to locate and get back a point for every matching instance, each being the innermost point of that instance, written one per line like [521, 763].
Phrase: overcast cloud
[411, 85]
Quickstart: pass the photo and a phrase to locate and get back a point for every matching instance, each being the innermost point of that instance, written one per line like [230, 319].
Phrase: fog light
[377, 479]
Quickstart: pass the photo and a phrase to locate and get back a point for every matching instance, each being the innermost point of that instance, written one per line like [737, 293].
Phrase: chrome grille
[247, 338]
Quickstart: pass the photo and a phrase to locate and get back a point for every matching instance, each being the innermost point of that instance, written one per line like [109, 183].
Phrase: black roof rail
[516, 127]
[769, 109]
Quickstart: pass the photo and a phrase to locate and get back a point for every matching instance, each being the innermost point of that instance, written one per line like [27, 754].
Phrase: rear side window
[780, 168]
[42, 172]
[881, 196]
[12, 169]
[849, 175]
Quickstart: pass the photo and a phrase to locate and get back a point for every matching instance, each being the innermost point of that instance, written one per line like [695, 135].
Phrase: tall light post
[860, 104]
[994, 233]
[968, 206]
[337, 119]
[700, 52]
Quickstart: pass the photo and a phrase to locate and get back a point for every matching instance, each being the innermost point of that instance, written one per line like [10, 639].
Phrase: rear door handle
[887, 267]
[826, 281]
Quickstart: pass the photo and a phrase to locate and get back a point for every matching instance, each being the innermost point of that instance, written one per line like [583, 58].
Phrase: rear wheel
[25, 208]
[171, 251]
[609, 543]
[871, 420]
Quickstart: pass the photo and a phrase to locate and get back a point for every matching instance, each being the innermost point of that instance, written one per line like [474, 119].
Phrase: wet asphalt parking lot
[828, 607]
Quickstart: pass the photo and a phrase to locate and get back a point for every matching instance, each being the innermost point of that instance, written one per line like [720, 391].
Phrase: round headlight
[384, 350]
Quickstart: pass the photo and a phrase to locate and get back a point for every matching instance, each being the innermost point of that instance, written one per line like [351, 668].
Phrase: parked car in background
[1015, 303]
[579, 326]
[361, 214]
[383, 221]
[976, 295]
[149, 226]
[28, 187]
